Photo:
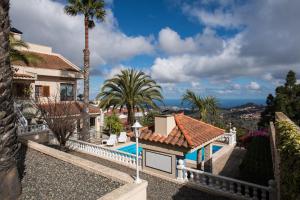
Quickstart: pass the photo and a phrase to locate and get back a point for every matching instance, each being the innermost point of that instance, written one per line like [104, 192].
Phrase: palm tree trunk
[86, 71]
[10, 186]
[130, 119]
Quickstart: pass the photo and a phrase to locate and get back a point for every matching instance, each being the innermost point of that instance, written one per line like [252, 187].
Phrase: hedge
[288, 144]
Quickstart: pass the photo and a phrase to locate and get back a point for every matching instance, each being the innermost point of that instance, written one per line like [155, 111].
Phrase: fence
[31, 129]
[224, 185]
[111, 154]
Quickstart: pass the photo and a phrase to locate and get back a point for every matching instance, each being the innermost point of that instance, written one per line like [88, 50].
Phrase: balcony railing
[224, 185]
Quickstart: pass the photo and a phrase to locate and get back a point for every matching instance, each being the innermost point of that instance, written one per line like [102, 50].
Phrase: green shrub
[113, 124]
[256, 166]
[288, 141]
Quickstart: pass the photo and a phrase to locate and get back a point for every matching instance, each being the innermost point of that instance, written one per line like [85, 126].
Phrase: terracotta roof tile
[74, 107]
[18, 75]
[48, 61]
[188, 133]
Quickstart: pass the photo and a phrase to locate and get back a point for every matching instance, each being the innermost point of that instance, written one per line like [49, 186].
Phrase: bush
[256, 166]
[113, 124]
[288, 138]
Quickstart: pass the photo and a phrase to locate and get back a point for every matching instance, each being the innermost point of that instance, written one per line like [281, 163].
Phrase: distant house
[51, 76]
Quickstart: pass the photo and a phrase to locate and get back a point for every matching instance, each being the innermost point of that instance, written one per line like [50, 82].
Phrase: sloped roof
[48, 61]
[22, 76]
[73, 107]
[188, 133]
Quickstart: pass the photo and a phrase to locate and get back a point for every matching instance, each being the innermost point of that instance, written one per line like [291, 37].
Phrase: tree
[286, 100]
[80, 97]
[90, 9]
[148, 120]
[130, 88]
[17, 55]
[60, 118]
[113, 124]
[10, 186]
[207, 106]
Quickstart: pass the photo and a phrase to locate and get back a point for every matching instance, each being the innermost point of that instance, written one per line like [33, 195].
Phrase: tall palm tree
[207, 106]
[90, 9]
[130, 88]
[9, 184]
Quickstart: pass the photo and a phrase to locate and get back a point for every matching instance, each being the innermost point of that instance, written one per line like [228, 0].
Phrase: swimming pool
[190, 156]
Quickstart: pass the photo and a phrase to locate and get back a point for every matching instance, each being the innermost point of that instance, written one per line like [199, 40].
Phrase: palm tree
[9, 184]
[17, 55]
[90, 9]
[130, 88]
[207, 106]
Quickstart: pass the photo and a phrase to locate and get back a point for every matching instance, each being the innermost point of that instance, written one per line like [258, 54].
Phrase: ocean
[223, 103]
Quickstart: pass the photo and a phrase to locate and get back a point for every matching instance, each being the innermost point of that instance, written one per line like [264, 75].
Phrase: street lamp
[136, 127]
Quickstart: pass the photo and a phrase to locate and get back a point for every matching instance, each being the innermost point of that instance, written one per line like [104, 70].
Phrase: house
[49, 76]
[172, 138]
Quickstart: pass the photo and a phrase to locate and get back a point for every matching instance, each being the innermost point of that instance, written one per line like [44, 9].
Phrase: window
[42, 91]
[66, 92]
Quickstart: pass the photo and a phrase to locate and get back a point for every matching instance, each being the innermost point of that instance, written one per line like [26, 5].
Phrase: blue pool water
[190, 156]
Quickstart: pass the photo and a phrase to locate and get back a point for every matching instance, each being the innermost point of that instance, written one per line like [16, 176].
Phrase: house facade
[48, 76]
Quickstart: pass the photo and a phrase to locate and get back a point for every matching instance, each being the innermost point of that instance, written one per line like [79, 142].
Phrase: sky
[230, 49]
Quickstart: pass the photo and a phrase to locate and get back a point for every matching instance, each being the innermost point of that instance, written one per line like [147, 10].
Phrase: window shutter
[46, 91]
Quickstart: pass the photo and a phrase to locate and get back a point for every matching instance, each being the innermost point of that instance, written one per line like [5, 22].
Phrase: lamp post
[136, 127]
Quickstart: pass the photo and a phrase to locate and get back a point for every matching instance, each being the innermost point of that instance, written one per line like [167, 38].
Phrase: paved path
[158, 189]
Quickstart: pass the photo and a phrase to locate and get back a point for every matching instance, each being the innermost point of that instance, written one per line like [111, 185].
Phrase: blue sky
[224, 48]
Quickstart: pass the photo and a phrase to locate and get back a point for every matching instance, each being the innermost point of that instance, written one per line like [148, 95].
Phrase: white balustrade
[228, 138]
[230, 186]
[31, 129]
[112, 154]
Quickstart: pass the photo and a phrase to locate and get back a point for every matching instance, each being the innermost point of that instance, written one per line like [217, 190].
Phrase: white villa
[53, 76]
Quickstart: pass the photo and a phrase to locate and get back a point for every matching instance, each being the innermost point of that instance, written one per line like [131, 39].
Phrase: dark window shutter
[46, 91]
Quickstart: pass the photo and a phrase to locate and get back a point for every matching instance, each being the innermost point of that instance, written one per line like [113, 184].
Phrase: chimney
[164, 124]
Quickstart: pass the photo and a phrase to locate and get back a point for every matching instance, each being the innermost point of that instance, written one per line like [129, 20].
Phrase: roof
[48, 61]
[188, 133]
[23, 76]
[75, 108]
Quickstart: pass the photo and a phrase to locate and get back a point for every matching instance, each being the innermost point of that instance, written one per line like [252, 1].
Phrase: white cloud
[205, 43]
[253, 86]
[236, 86]
[44, 22]
[268, 76]
[171, 42]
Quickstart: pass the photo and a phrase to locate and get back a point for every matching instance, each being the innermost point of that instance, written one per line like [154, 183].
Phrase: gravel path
[158, 189]
[45, 177]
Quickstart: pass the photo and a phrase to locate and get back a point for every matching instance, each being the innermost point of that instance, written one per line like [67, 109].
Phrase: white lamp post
[136, 127]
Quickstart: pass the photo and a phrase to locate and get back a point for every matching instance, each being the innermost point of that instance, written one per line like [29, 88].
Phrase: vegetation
[59, 118]
[148, 120]
[90, 9]
[289, 147]
[206, 106]
[256, 166]
[17, 55]
[286, 100]
[113, 124]
[130, 88]
[10, 186]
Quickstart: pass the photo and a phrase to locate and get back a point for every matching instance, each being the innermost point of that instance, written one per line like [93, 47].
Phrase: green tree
[17, 55]
[206, 106]
[286, 100]
[10, 186]
[130, 88]
[148, 120]
[113, 124]
[90, 9]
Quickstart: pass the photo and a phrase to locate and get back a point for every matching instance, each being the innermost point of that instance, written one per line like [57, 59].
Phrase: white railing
[228, 138]
[104, 152]
[30, 129]
[224, 185]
